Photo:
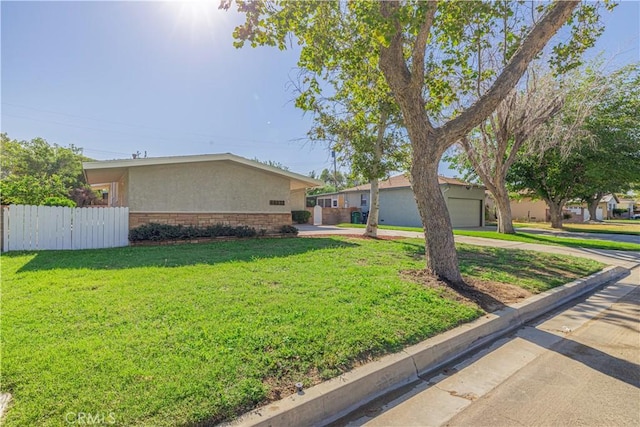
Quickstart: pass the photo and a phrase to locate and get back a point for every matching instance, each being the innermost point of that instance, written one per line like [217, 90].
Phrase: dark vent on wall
[276, 202]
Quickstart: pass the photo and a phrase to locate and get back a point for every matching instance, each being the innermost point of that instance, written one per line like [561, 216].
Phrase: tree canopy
[427, 53]
[35, 171]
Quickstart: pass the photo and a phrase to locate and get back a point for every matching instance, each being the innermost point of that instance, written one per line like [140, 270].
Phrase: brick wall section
[268, 221]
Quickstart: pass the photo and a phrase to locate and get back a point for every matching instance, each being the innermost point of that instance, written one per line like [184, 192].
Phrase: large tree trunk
[592, 206]
[440, 249]
[555, 210]
[498, 189]
[505, 220]
[428, 143]
[374, 209]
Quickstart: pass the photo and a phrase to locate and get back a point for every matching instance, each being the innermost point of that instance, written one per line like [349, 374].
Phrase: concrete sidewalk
[576, 367]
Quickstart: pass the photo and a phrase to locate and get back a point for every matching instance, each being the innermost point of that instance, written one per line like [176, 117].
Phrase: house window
[363, 200]
[326, 203]
[276, 202]
[335, 203]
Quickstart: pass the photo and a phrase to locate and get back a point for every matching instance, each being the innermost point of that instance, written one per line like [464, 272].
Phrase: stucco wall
[398, 205]
[123, 193]
[206, 187]
[528, 210]
[298, 200]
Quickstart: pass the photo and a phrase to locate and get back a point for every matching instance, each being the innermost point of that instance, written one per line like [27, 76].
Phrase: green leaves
[33, 171]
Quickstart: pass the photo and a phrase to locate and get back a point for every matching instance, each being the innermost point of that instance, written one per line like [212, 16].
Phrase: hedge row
[300, 217]
[159, 232]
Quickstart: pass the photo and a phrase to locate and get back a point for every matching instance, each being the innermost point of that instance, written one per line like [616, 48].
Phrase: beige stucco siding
[298, 200]
[122, 192]
[528, 210]
[206, 187]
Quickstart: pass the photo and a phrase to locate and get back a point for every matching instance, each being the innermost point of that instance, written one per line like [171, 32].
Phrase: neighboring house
[529, 210]
[629, 205]
[202, 190]
[398, 206]
[604, 210]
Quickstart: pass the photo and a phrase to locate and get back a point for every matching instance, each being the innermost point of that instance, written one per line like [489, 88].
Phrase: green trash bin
[356, 217]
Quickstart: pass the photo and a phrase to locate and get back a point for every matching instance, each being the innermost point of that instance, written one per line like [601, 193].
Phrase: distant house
[605, 208]
[201, 190]
[398, 206]
[529, 210]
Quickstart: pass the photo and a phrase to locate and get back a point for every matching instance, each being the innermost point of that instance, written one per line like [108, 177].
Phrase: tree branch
[531, 46]
[420, 45]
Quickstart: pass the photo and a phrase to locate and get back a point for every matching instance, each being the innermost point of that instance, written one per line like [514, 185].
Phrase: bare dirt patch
[357, 236]
[489, 295]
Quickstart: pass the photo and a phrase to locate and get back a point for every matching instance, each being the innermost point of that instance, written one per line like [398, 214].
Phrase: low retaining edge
[333, 399]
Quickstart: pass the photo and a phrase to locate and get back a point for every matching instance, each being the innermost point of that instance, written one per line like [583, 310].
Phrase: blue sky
[117, 77]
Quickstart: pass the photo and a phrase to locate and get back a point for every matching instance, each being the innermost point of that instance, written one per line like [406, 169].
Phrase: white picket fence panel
[30, 228]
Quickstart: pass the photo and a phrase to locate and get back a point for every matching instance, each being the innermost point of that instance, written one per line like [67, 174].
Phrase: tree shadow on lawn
[476, 261]
[177, 255]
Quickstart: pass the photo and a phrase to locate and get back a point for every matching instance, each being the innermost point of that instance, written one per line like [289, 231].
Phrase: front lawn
[524, 237]
[185, 334]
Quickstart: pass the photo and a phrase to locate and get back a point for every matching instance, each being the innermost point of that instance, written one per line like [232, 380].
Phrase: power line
[137, 126]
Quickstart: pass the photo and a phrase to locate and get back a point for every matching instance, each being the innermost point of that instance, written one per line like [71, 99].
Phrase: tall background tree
[35, 171]
[513, 130]
[612, 161]
[593, 153]
[425, 51]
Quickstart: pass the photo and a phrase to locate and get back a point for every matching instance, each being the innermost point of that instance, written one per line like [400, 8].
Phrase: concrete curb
[333, 399]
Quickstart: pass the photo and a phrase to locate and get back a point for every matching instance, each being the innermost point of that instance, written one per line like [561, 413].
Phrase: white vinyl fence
[52, 227]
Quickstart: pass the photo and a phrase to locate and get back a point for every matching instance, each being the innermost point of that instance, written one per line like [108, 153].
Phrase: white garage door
[465, 212]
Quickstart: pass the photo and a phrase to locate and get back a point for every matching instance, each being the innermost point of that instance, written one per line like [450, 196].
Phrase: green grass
[189, 334]
[612, 227]
[552, 240]
[526, 238]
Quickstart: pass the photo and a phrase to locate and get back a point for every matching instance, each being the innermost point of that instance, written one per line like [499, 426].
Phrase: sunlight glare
[198, 18]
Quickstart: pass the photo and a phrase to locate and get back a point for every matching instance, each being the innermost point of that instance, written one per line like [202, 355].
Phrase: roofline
[153, 161]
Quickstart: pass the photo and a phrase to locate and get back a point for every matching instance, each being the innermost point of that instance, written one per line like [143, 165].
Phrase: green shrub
[59, 201]
[159, 232]
[300, 217]
[289, 229]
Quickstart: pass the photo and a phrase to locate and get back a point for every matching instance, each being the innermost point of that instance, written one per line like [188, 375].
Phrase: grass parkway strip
[525, 238]
[190, 334]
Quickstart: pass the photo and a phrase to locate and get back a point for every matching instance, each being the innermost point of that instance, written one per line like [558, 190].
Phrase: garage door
[465, 212]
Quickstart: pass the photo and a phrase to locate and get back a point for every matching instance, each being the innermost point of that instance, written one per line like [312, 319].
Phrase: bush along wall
[162, 232]
[300, 217]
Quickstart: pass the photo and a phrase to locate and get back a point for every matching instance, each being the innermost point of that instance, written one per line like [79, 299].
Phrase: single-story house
[605, 208]
[202, 190]
[398, 206]
[529, 210]
[629, 204]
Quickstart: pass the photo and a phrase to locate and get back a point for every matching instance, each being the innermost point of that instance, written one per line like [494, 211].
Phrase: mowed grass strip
[187, 334]
[525, 238]
[631, 227]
